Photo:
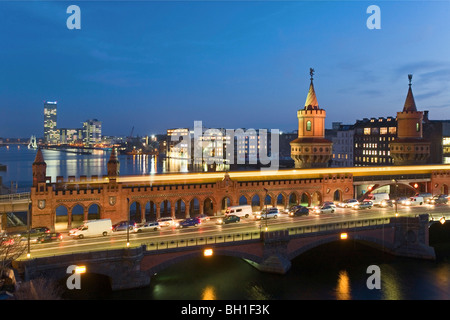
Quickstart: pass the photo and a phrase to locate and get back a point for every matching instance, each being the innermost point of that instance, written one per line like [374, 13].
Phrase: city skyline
[155, 66]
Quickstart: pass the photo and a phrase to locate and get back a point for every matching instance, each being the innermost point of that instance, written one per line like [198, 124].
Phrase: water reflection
[343, 290]
[209, 293]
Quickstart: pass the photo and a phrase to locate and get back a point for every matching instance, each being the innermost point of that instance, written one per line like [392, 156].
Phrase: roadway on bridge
[210, 228]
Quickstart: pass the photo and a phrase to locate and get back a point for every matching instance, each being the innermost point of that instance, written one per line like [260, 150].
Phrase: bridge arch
[293, 199]
[361, 238]
[180, 208]
[225, 203]
[338, 195]
[243, 200]
[256, 202]
[209, 206]
[150, 268]
[282, 200]
[63, 218]
[77, 214]
[305, 199]
[194, 207]
[94, 211]
[396, 189]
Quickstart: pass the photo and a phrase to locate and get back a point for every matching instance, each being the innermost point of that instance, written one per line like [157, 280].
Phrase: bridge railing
[203, 240]
[23, 196]
[338, 226]
[254, 235]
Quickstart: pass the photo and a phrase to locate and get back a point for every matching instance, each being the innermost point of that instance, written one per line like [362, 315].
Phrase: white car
[147, 226]
[350, 203]
[271, 213]
[166, 222]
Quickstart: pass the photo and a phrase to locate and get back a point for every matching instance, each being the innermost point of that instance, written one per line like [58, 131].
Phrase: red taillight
[48, 231]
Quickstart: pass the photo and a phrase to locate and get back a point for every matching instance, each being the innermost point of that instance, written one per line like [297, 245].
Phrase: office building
[51, 133]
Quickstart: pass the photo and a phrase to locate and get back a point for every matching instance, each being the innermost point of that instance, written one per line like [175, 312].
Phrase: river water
[335, 271]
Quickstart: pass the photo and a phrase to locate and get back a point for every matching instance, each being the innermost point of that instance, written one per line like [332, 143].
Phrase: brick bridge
[267, 251]
[66, 203]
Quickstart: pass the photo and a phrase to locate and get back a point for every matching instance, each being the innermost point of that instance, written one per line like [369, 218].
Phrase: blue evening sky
[156, 65]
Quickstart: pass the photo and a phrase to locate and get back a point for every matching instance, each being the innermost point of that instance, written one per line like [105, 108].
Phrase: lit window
[308, 125]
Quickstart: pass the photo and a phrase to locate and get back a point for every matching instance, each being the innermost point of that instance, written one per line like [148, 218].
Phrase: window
[308, 125]
[383, 130]
[417, 127]
[366, 131]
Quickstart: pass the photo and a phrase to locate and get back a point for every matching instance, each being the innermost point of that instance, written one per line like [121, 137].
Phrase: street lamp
[265, 202]
[128, 222]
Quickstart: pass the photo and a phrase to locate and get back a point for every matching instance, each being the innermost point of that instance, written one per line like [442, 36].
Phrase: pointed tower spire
[39, 168]
[311, 99]
[311, 149]
[410, 104]
[113, 166]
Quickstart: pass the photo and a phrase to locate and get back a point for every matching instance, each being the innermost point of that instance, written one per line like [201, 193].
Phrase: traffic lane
[206, 228]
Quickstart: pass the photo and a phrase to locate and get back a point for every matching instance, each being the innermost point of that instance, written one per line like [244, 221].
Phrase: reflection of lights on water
[209, 293]
[343, 286]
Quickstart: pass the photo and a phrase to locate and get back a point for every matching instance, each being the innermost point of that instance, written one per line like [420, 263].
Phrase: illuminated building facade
[371, 141]
[92, 132]
[343, 145]
[51, 134]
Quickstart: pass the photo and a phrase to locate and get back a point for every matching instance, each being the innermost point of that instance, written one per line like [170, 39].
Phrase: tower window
[308, 125]
[417, 127]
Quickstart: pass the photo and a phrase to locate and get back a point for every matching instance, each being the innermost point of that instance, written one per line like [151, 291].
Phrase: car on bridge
[203, 217]
[324, 209]
[292, 209]
[267, 214]
[166, 221]
[231, 218]
[442, 198]
[49, 237]
[188, 223]
[147, 226]
[122, 226]
[348, 203]
[364, 205]
[301, 211]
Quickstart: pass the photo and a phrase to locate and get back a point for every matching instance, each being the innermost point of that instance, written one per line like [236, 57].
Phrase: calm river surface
[333, 272]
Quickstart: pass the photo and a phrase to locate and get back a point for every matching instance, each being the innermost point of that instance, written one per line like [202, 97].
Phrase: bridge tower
[39, 169]
[113, 166]
[409, 147]
[311, 149]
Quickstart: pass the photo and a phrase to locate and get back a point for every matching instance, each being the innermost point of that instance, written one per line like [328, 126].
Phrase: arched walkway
[62, 218]
[94, 212]
[77, 214]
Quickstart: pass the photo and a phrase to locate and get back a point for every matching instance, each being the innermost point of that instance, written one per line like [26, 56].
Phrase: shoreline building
[51, 133]
[311, 149]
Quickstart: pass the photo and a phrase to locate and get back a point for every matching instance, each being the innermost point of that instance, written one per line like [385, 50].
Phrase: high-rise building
[92, 132]
[51, 134]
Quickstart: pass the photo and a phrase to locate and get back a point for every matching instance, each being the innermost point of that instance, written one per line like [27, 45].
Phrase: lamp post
[28, 229]
[265, 203]
[128, 222]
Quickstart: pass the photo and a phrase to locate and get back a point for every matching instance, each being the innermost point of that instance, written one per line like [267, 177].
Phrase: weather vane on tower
[311, 73]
